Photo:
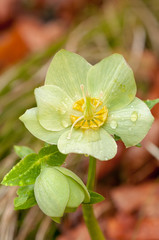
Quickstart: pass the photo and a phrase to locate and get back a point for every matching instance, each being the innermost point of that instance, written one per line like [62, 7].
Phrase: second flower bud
[58, 190]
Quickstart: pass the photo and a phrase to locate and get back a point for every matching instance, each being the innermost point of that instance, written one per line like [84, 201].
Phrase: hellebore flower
[81, 107]
[58, 190]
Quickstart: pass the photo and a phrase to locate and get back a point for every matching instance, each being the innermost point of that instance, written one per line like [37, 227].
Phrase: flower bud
[58, 190]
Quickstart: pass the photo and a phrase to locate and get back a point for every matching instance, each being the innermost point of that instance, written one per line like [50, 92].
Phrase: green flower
[81, 107]
[58, 190]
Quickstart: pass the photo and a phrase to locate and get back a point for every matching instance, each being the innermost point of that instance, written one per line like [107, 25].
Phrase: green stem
[89, 217]
[91, 173]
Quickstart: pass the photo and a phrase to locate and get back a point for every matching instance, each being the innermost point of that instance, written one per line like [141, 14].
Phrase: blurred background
[31, 32]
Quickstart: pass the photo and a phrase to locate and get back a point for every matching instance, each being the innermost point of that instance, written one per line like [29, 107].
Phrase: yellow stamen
[92, 117]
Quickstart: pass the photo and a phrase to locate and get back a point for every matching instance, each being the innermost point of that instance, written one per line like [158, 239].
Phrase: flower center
[93, 114]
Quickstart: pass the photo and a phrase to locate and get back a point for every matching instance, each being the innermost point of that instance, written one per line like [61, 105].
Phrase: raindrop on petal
[64, 123]
[134, 116]
[113, 124]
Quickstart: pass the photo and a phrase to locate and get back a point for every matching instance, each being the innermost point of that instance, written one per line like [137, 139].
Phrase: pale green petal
[76, 196]
[29, 118]
[68, 71]
[54, 107]
[98, 144]
[72, 175]
[130, 123]
[113, 80]
[52, 192]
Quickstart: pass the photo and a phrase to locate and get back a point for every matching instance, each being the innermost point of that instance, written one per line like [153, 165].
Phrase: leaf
[27, 170]
[23, 173]
[138, 145]
[95, 197]
[22, 151]
[52, 156]
[56, 219]
[151, 103]
[116, 138]
[26, 198]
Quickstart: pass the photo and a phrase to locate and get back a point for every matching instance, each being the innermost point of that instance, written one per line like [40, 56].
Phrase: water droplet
[69, 136]
[64, 123]
[113, 124]
[134, 116]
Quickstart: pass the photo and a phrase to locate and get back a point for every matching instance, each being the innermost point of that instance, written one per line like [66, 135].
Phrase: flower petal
[114, 79]
[76, 196]
[98, 144]
[72, 175]
[29, 118]
[54, 107]
[130, 123]
[52, 192]
[68, 71]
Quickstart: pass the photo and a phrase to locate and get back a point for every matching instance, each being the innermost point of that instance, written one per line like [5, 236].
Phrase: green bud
[58, 190]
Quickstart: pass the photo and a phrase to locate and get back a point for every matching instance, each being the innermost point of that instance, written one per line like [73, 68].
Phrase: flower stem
[89, 217]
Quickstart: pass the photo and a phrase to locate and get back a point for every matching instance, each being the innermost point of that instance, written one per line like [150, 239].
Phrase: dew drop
[134, 116]
[113, 124]
[64, 123]
[69, 136]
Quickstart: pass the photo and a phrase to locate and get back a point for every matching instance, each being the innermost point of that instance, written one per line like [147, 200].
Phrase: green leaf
[22, 151]
[138, 145]
[56, 219]
[52, 156]
[26, 198]
[27, 170]
[24, 173]
[151, 103]
[95, 197]
[116, 138]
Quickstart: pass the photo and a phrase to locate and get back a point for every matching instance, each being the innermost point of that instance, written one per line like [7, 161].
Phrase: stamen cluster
[93, 114]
